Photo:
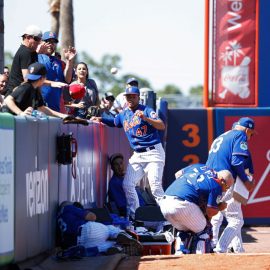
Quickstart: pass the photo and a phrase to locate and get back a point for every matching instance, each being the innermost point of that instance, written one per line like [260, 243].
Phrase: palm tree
[236, 50]
[62, 18]
[66, 23]
[54, 8]
[226, 56]
[1, 35]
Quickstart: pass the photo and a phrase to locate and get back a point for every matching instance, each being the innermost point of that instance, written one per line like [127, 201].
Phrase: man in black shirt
[27, 97]
[26, 55]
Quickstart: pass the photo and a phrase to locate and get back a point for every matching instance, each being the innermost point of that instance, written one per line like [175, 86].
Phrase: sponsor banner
[6, 195]
[234, 52]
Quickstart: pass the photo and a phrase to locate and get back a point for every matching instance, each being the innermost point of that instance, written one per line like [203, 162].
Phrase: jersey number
[141, 131]
[216, 145]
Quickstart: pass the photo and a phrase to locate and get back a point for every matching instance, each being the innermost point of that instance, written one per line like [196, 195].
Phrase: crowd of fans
[67, 87]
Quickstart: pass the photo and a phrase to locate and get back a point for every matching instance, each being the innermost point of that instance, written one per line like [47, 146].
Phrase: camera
[92, 111]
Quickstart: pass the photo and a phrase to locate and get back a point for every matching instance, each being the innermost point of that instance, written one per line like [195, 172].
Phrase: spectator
[74, 220]
[6, 71]
[55, 72]
[116, 192]
[106, 106]
[3, 85]
[141, 125]
[193, 198]
[230, 151]
[79, 107]
[24, 56]
[120, 102]
[27, 97]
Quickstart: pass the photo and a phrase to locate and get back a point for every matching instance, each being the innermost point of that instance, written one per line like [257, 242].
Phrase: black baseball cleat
[130, 245]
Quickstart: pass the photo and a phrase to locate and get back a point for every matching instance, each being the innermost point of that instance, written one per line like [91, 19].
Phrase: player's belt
[142, 150]
[172, 197]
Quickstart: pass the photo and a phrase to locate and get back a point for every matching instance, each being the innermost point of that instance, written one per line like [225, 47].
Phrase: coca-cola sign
[234, 53]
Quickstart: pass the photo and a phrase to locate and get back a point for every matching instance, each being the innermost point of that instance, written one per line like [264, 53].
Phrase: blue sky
[159, 40]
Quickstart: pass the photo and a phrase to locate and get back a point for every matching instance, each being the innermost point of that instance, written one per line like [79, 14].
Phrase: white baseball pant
[234, 216]
[150, 163]
[184, 216]
[95, 234]
[236, 244]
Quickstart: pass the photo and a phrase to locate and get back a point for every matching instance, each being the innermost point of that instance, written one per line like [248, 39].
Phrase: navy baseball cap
[109, 96]
[246, 122]
[36, 71]
[132, 80]
[49, 35]
[132, 90]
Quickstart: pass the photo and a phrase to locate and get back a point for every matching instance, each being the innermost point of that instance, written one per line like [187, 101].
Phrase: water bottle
[38, 114]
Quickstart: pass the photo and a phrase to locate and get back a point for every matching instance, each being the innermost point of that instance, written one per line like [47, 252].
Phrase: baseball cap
[132, 80]
[115, 156]
[36, 71]
[132, 90]
[77, 91]
[32, 30]
[109, 96]
[49, 35]
[246, 122]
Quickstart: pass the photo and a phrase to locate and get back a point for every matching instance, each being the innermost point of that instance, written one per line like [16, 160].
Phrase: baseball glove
[75, 120]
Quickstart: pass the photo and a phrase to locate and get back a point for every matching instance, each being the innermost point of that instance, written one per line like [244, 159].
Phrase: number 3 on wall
[194, 138]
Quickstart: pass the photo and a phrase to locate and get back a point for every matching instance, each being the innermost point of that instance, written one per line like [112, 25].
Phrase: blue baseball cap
[132, 90]
[246, 122]
[36, 71]
[132, 80]
[49, 35]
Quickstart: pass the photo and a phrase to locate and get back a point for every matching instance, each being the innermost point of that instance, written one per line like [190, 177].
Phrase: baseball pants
[236, 244]
[150, 163]
[184, 216]
[95, 234]
[234, 216]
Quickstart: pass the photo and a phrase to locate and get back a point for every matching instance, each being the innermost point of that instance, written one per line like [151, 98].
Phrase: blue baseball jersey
[228, 150]
[52, 95]
[71, 218]
[140, 133]
[197, 185]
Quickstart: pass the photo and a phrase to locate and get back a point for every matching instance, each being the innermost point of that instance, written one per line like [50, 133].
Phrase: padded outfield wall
[32, 183]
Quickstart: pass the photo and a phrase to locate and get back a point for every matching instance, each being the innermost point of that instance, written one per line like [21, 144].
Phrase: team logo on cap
[243, 146]
[31, 70]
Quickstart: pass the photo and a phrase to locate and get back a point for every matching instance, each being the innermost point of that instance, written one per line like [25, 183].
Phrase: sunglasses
[35, 38]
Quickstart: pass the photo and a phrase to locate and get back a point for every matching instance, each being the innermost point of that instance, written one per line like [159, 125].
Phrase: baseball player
[194, 198]
[230, 151]
[73, 219]
[141, 125]
[237, 244]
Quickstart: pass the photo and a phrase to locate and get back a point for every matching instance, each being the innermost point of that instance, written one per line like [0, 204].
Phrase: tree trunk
[1, 35]
[55, 15]
[66, 24]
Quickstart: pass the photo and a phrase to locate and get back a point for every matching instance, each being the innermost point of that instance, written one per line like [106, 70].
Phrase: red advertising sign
[258, 205]
[234, 52]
